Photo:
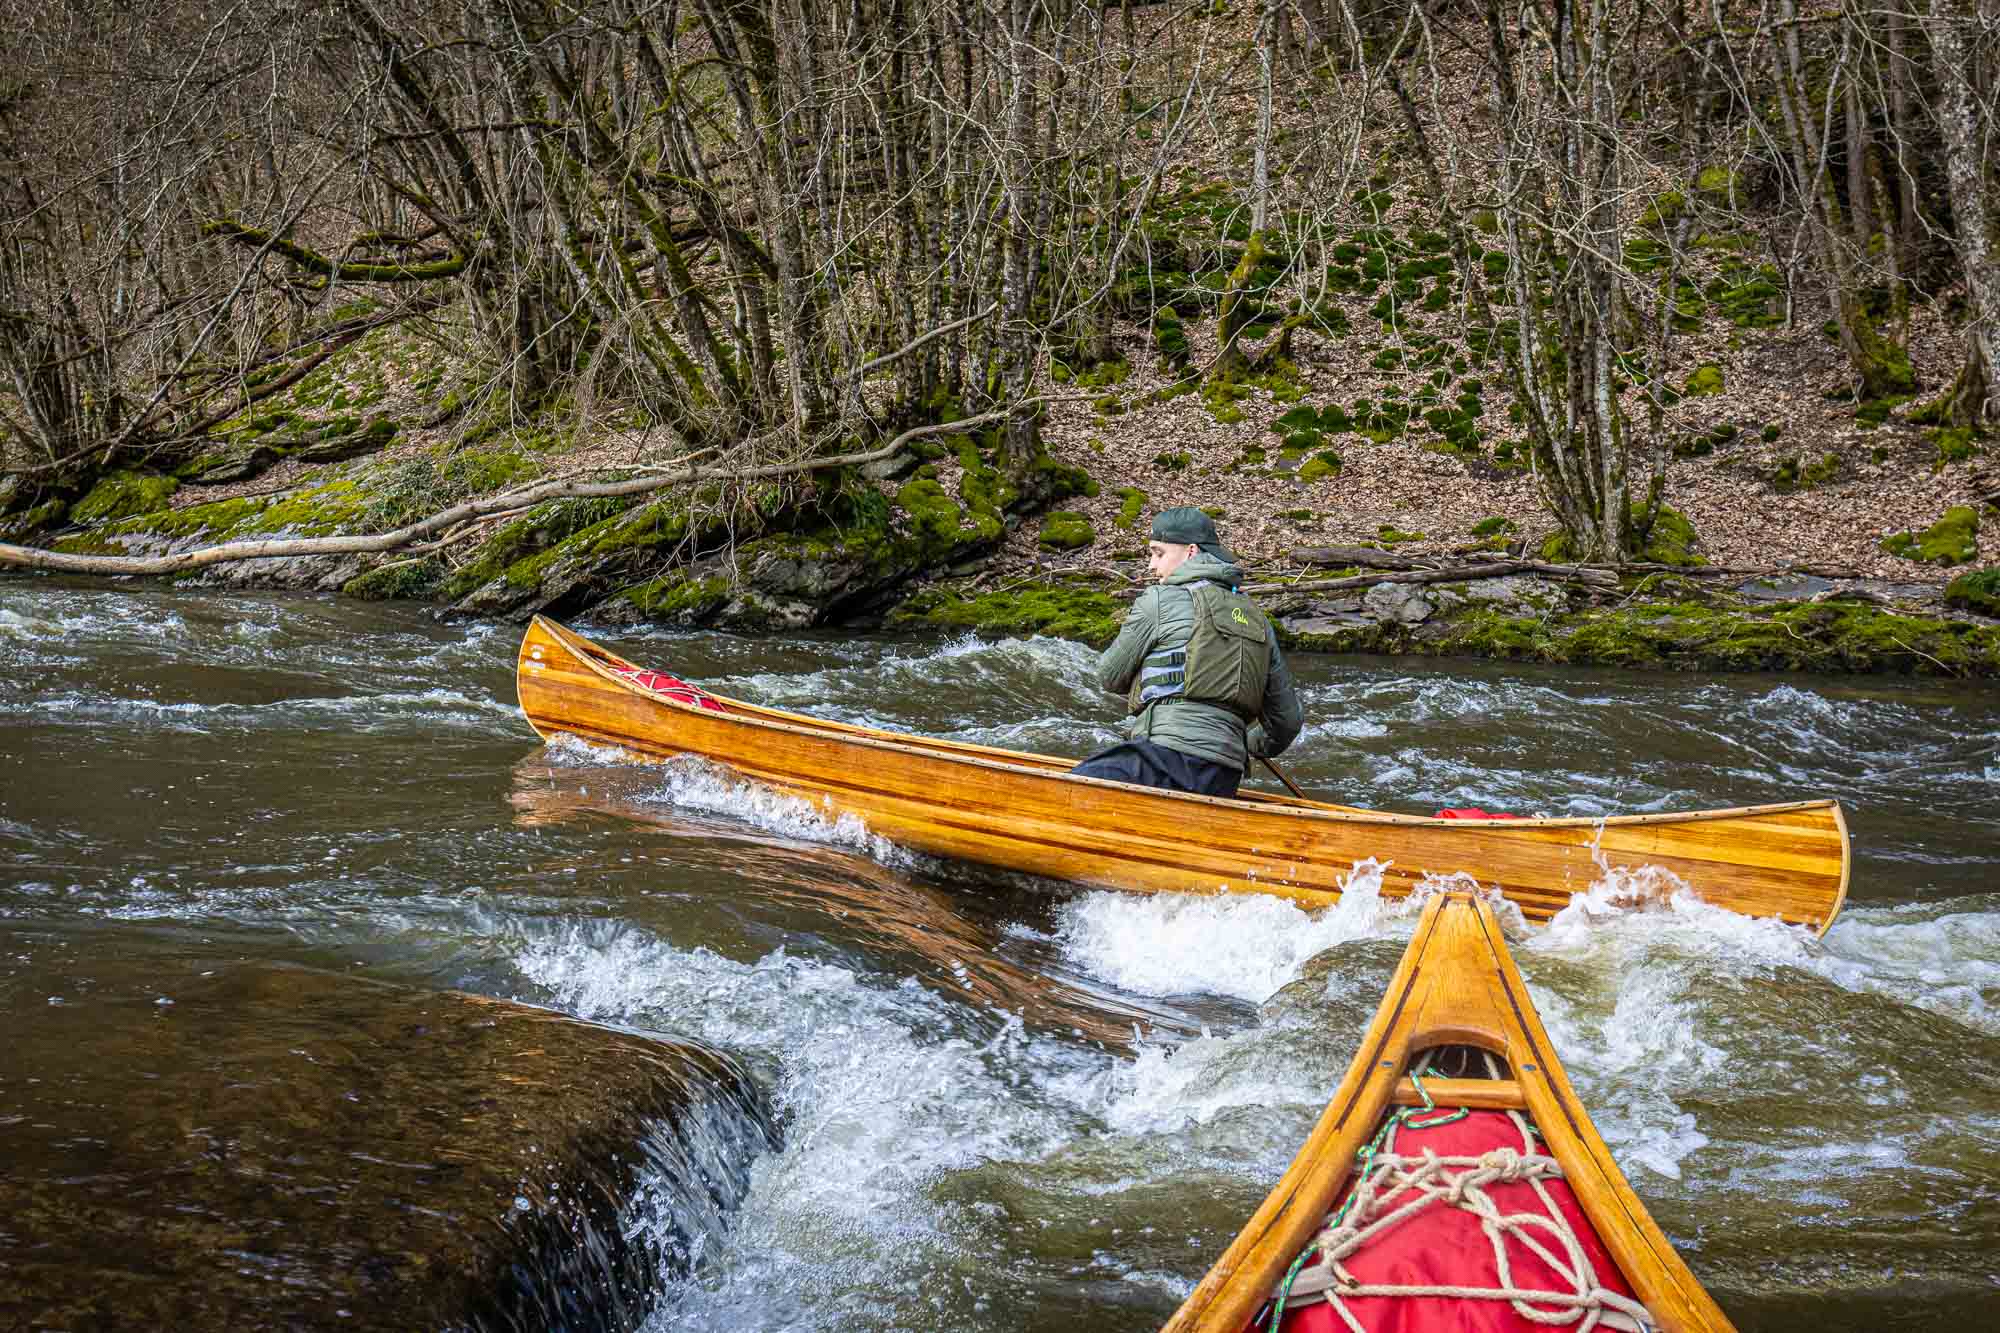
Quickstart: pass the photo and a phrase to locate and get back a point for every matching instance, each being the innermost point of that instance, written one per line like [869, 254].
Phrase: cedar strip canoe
[1025, 812]
[1456, 988]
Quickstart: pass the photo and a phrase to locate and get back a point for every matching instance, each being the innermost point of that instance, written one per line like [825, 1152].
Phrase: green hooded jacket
[1204, 731]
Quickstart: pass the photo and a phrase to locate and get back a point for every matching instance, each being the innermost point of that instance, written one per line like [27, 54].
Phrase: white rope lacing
[1393, 1188]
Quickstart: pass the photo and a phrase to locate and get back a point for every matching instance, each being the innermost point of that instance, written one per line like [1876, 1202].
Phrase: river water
[1015, 1105]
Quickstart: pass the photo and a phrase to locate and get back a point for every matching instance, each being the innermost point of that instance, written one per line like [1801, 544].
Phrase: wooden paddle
[1279, 774]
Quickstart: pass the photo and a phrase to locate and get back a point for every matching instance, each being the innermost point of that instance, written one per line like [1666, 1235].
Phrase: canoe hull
[1025, 813]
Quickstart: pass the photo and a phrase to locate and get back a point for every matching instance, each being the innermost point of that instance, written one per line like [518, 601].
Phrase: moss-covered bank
[1658, 625]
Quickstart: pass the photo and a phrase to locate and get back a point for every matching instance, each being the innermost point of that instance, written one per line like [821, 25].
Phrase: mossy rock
[399, 580]
[1066, 530]
[1104, 374]
[124, 494]
[1666, 206]
[1878, 410]
[982, 487]
[19, 527]
[1059, 481]
[1719, 182]
[1064, 609]
[1170, 338]
[1978, 591]
[1795, 474]
[680, 597]
[932, 512]
[1494, 526]
[1955, 444]
[510, 552]
[1952, 540]
[1320, 467]
[1706, 381]
[1672, 540]
[1131, 504]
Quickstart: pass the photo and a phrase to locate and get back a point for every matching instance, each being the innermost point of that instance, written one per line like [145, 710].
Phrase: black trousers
[1152, 765]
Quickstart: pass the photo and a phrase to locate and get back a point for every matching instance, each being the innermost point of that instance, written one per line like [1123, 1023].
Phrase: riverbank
[915, 552]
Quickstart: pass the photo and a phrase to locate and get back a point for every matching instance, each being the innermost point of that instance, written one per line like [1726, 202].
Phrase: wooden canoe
[1456, 991]
[1025, 812]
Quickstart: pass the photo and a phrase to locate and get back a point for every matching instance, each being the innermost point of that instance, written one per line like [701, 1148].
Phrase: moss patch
[542, 527]
[122, 495]
[1822, 636]
[1067, 610]
[1955, 444]
[1706, 381]
[397, 580]
[1066, 530]
[680, 596]
[1320, 467]
[1131, 504]
[1952, 540]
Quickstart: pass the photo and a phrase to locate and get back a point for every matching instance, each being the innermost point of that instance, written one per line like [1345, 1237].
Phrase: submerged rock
[271, 1147]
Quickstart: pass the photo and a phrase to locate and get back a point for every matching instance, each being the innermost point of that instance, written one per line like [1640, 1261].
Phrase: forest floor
[1887, 479]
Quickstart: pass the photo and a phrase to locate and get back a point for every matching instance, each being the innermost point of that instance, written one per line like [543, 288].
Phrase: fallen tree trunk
[1600, 577]
[1368, 557]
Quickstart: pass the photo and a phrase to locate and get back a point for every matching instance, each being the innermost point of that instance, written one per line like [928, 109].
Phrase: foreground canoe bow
[1025, 812]
[1405, 1234]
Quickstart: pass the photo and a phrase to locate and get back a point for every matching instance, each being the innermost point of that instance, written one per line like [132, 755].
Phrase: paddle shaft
[1279, 774]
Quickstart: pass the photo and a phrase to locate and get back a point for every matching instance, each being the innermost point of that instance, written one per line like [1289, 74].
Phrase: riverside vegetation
[641, 313]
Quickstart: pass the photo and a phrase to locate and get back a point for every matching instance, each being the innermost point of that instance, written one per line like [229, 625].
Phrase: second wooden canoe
[1026, 812]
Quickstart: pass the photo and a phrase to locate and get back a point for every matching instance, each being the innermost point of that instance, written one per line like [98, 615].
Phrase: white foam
[881, 1090]
[698, 785]
[1243, 945]
[1943, 959]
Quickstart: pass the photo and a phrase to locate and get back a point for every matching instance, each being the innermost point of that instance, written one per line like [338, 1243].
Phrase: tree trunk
[1966, 135]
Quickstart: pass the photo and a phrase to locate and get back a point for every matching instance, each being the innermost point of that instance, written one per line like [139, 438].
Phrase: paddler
[1200, 670]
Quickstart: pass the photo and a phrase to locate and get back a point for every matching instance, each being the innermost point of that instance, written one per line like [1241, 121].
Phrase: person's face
[1163, 558]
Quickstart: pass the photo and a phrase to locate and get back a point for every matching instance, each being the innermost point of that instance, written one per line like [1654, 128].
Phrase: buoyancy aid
[1223, 658]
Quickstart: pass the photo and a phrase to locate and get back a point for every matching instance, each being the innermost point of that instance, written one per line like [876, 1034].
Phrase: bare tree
[1965, 34]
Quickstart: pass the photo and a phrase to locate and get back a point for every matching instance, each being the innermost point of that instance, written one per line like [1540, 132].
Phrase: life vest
[1225, 659]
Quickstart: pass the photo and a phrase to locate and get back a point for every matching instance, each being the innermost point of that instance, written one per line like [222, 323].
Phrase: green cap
[1187, 525]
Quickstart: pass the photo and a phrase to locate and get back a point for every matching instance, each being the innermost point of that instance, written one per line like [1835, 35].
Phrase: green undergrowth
[1978, 591]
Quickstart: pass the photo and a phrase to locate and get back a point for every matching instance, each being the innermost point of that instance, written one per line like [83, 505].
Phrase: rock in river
[241, 1146]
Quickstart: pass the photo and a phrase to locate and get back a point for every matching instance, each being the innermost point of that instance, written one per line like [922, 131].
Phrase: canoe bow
[1457, 985]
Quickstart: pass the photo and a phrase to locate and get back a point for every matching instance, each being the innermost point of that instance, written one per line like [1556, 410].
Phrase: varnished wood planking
[1456, 985]
[1023, 812]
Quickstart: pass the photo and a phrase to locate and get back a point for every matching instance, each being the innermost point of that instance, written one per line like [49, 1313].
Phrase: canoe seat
[1482, 1094]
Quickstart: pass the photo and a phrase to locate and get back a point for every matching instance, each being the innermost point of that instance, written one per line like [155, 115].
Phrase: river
[1014, 1105]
